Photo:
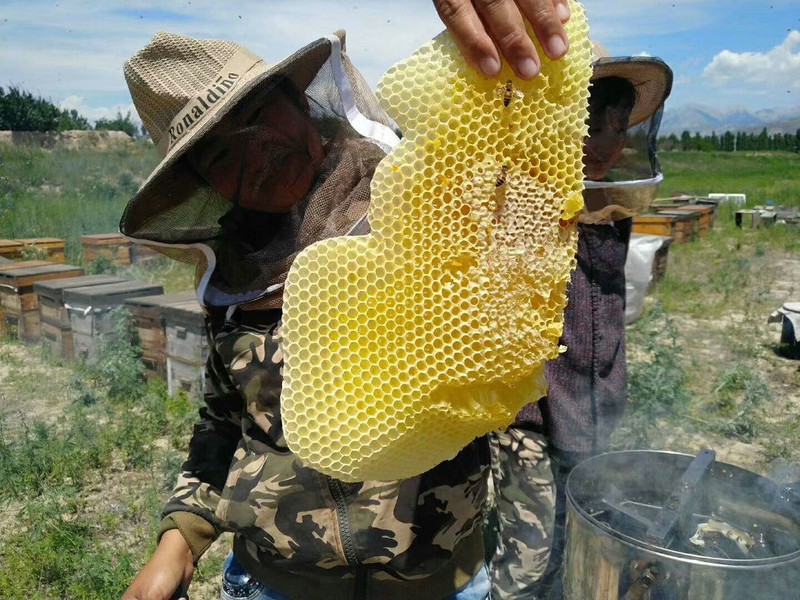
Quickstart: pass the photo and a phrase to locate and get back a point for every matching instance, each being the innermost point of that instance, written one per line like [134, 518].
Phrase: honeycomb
[402, 346]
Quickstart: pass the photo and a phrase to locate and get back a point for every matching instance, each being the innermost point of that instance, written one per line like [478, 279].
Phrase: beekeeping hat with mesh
[630, 184]
[193, 94]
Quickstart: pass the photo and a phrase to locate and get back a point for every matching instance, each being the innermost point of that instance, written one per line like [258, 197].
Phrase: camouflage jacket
[298, 531]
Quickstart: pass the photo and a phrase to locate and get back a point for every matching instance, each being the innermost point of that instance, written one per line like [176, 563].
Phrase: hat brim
[173, 178]
[651, 77]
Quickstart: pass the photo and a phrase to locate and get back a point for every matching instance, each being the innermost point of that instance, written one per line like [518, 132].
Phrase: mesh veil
[242, 254]
[630, 186]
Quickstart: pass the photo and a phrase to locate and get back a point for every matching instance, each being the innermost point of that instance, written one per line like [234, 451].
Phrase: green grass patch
[68, 193]
[761, 175]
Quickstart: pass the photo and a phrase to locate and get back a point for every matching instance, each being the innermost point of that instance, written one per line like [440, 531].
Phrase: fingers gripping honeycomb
[403, 345]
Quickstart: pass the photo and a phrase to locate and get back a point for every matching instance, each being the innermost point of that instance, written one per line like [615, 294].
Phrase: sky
[726, 54]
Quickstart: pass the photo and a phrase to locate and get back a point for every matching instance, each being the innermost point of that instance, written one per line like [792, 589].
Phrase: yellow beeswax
[403, 345]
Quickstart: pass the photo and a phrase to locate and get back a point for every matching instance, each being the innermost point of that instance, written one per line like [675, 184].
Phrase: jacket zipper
[348, 543]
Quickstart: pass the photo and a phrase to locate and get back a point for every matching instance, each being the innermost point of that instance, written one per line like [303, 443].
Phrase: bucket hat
[651, 77]
[185, 89]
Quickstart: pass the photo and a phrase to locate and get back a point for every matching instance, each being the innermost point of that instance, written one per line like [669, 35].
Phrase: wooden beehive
[11, 249]
[114, 246]
[680, 226]
[53, 313]
[705, 217]
[148, 317]
[89, 308]
[52, 249]
[187, 348]
[660, 260]
[687, 225]
[6, 266]
[748, 218]
[19, 301]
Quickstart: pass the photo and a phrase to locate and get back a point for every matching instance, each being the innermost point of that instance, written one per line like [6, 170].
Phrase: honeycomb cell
[403, 345]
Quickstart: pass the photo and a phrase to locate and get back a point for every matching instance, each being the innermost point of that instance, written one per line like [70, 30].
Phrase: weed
[656, 379]
[118, 367]
[101, 264]
[739, 400]
[42, 456]
[33, 252]
[54, 554]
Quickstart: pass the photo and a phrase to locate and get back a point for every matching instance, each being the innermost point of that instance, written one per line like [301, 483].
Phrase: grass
[761, 175]
[58, 549]
[702, 363]
[68, 193]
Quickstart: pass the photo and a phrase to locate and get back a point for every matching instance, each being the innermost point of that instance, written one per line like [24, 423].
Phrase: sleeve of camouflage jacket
[194, 500]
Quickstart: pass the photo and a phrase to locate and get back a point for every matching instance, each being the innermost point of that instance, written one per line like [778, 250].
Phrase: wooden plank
[186, 377]
[10, 249]
[110, 294]
[26, 276]
[59, 340]
[54, 289]
[23, 264]
[186, 333]
[113, 246]
[148, 315]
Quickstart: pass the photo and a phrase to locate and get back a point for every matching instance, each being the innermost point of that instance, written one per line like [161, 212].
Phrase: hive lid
[100, 296]
[23, 264]
[104, 237]
[42, 240]
[28, 275]
[169, 299]
[189, 310]
[55, 288]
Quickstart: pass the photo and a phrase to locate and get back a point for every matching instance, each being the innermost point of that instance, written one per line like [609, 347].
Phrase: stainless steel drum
[646, 525]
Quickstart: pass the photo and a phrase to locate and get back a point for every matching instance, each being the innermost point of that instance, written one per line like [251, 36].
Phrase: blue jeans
[237, 583]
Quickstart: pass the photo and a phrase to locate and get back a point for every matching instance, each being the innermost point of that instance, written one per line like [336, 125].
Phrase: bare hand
[170, 569]
[482, 27]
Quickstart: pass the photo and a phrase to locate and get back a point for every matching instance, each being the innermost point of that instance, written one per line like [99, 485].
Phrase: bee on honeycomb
[508, 92]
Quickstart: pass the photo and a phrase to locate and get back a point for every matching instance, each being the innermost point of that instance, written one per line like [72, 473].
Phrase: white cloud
[94, 113]
[773, 71]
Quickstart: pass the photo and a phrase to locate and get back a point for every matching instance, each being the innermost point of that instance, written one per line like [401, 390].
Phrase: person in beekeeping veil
[258, 163]
[587, 384]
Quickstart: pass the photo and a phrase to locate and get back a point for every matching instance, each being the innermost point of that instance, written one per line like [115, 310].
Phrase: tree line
[732, 141]
[22, 111]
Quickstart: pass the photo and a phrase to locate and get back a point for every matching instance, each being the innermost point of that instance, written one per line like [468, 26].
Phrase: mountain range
[707, 119]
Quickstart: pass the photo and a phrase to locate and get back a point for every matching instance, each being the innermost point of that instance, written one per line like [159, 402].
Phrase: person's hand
[168, 570]
[482, 27]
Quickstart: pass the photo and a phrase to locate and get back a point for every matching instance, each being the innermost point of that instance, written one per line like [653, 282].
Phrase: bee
[503, 174]
[508, 92]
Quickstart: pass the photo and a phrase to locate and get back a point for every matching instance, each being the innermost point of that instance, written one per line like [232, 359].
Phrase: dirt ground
[40, 390]
[712, 342]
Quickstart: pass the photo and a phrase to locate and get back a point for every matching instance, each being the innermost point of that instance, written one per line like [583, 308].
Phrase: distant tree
[714, 143]
[72, 120]
[686, 141]
[22, 111]
[670, 142]
[119, 123]
[727, 141]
